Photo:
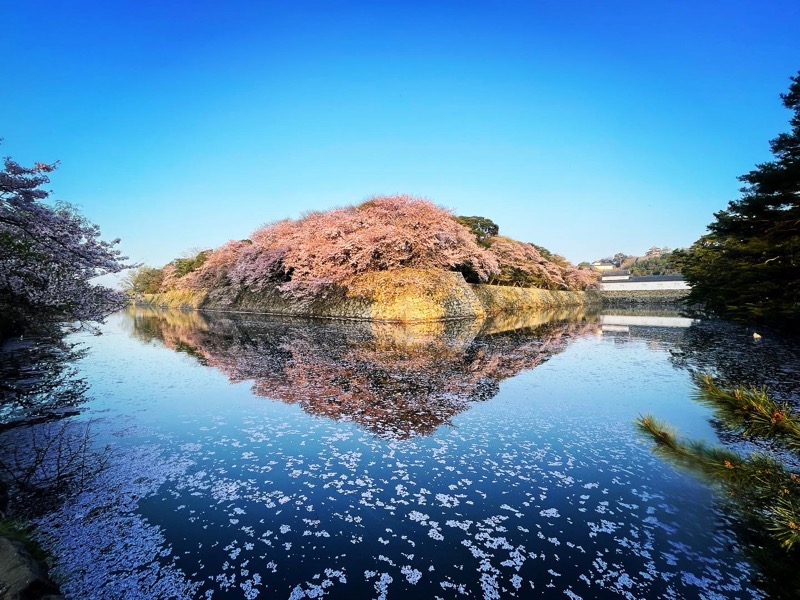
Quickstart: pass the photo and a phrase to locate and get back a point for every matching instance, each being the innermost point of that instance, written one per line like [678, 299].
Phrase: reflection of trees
[38, 381]
[46, 462]
[176, 328]
[44, 455]
[397, 380]
[729, 352]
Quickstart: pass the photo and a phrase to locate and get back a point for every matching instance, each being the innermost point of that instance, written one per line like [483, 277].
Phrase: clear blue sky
[586, 127]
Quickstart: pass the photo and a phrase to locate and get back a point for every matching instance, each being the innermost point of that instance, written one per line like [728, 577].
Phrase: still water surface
[256, 457]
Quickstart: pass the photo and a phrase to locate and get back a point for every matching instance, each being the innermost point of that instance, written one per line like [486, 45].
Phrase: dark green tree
[481, 227]
[748, 266]
[184, 266]
[668, 263]
[543, 251]
[143, 280]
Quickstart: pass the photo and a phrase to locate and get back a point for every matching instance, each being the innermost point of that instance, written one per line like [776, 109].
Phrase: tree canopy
[309, 257]
[481, 227]
[143, 280]
[662, 262]
[48, 255]
[747, 266]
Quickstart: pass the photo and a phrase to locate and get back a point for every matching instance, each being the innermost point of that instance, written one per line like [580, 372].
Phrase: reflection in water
[731, 354]
[38, 381]
[45, 456]
[546, 491]
[760, 491]
[396, 380]
[43, 464]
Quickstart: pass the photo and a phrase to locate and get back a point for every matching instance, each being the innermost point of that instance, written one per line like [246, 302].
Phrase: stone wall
[406, 295]
[497, 299]
[22, 577]
[183, 299]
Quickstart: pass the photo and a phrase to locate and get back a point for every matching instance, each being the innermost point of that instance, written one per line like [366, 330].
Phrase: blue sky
[587, 127]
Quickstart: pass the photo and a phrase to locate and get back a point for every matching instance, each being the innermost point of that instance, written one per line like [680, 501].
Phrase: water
[253, 457]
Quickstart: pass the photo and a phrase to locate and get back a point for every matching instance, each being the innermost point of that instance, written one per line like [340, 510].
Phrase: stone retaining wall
[497, 299]
[407, 295]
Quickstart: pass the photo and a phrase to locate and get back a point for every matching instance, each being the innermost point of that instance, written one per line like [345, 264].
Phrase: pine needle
[750, 411]
[759, 486]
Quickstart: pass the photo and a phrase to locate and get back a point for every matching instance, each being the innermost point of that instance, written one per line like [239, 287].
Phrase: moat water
[256, 457]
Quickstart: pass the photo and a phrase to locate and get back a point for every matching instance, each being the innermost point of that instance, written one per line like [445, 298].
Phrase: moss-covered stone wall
[497, 299]
[406, 295]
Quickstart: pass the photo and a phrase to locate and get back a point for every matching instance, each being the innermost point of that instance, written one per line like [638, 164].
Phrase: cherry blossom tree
[215, 271]
[523, 265]
[526, 265]
[312, 256]
[581, 279]
[48, 255]
[309, 257]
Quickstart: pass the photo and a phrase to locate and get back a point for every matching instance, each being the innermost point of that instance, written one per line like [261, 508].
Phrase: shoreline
[404, 296]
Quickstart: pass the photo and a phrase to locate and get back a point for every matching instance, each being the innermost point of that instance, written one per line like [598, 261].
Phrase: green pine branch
[760, 487]
[750, 411]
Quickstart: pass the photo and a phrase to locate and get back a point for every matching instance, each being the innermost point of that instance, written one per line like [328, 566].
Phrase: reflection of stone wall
[395, 379]
[531, 319]
[627, 285]
[406, 295]
[628, 297]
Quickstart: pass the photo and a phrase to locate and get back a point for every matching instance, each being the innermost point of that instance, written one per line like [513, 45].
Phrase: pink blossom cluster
[523, 265]
[308, 257]
[49, 254]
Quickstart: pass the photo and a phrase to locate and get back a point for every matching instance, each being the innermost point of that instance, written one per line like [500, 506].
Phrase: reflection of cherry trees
[38, 381]
[44, 463]
[177, 329]
[395, 380]
[44, 454]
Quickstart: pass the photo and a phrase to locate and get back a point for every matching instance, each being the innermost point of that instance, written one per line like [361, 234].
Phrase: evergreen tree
[482, 227]
[748, 266]
[761, 490]
[665, 262]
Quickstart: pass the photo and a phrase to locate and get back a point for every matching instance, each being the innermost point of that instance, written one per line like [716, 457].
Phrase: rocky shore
[21, 576]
